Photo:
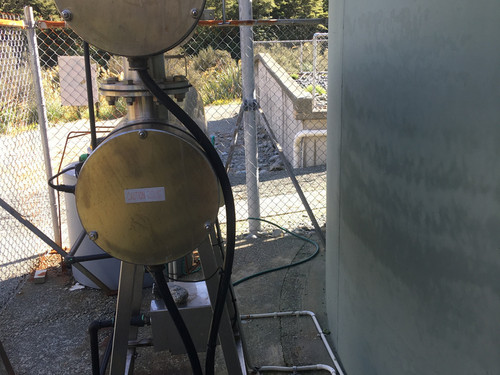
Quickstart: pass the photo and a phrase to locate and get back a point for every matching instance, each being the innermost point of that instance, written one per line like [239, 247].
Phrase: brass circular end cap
[149, 198]
[132, 28]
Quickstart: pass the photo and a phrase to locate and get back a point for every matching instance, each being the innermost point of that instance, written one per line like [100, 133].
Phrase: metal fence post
[249, 118]
[42, 114]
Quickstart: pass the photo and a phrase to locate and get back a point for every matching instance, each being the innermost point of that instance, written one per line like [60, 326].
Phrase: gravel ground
[44, 329]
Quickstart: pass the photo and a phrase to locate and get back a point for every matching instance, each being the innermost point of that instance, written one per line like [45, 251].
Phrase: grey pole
[249, 123]
[42, 114]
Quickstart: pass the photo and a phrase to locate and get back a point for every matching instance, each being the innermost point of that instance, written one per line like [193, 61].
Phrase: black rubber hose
[63, 188]
[161, 282]
[94, 328]
[220, 171]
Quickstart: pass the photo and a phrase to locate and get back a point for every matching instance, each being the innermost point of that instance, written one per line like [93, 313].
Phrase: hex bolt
[67, 15]
[195, 13]
[111, 100]
[93, 235]
[130, 100]
[111, 80]
[143, 134]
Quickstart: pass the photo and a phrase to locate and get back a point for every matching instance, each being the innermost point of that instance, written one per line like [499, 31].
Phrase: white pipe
[297, 140]
[295, 369]
[300, 313]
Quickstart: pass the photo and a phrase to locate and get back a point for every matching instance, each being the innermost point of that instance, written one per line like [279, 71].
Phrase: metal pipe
[223, 11]
[235, 139]
[216, 23]
[298, 139]
[53, 245]
[249, 118]
[42, 115]
[252, 22]
[295, 369]
[93, 330]
[77, 243]
[300, 313]
[90, 95]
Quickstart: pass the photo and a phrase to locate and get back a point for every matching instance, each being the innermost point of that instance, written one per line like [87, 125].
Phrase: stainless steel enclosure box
[197, 314]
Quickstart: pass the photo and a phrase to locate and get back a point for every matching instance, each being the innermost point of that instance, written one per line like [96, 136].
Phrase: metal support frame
[250, 125]
[289, 169]
[255, 106]
[42, 114]
[5, 360]
[128, 305]
[53, 245]
[230, 335]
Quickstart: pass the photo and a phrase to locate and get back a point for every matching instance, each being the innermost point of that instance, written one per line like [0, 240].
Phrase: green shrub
[320, 90]
[209, 58]
[221, 85]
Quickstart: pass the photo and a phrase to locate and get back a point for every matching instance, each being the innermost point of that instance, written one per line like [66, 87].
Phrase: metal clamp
[250, 105]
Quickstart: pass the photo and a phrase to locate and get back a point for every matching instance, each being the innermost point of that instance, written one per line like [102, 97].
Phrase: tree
[45, 9]
[301, 9]
[273, 8]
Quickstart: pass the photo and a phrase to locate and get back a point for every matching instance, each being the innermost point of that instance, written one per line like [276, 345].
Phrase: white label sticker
[156, 194]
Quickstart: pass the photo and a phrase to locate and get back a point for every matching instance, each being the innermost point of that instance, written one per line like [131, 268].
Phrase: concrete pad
[47, 330]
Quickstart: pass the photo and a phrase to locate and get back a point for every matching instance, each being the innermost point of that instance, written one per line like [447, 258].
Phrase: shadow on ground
[44, 327]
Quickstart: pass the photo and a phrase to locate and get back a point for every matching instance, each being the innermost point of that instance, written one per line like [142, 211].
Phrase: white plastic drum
[107, 270]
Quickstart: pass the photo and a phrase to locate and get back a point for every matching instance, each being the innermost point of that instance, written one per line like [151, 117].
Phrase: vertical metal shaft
[42, 114]
[90, 95]
[249, 118]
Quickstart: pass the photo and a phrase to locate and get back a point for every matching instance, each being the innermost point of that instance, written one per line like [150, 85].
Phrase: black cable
[90, 95]
[225, 282]
[159, 277]
[307, 259]
[63, 188]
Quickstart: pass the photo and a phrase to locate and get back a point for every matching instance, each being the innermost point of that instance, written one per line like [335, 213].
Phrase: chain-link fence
[22, 171]
[290, 85]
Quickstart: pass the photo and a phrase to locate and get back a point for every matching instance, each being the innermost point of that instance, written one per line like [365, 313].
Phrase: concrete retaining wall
[289, 110]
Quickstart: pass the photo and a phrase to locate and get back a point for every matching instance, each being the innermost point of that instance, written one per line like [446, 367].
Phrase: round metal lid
[133, 27]
[146, 196]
